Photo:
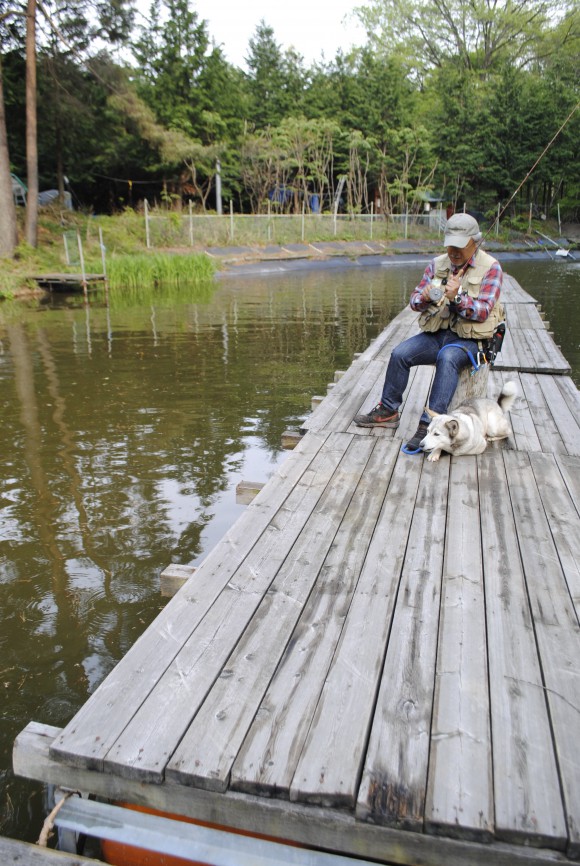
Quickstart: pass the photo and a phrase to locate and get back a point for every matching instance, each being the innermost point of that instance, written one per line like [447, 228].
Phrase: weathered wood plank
[398, 329]
[566, 416]
[415, 399]
[205, 755]
[332, 830]
[88, 737]
[460, 788]
[327, 772]
[528, 803]
[270, 752]
[524, 435]
[547, 357]
[149, 739]
[546, 428]
[351, 392]
[563, 520]
[570, 469]
[395, 774]
[557, 630]
[513, 293]
[523, 316]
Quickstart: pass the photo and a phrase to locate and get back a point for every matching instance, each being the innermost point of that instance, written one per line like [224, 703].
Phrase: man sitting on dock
[458, 302]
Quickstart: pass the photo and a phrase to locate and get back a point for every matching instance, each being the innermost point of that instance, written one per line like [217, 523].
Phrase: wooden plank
[395, 774]
[524, 316]
[563, 520]
[327, 772]
[460, 788]
[346, 397]
[524, 434]
[507, 358]
[566, 417]
[547, 357]
[546, 428]
[398, 329]
[89, 735]
[528, 802]
[557, 630]
[570, 393]
[205, 754]
[570, 469]
[149, 739]
[415, 399]
[285, 712]
[372, 399]
[332, 830]
[407, 326]
[513, 293]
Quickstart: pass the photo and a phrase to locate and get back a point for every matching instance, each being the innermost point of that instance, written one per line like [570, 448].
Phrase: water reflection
[125, 431]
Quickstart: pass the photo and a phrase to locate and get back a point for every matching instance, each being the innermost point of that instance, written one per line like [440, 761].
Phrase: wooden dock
[67, 282]
[381, 658]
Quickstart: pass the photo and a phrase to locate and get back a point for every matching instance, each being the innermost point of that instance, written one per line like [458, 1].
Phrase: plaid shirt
[478, 308]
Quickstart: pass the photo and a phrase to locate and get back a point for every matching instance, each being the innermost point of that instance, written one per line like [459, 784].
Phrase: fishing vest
[435, 318]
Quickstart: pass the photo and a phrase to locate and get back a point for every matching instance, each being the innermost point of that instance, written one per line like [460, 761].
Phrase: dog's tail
[507, 397]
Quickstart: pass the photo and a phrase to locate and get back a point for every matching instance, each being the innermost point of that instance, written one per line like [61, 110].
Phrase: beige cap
[460, 229]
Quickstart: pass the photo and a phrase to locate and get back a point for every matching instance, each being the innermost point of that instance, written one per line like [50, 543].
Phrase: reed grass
[150, 270]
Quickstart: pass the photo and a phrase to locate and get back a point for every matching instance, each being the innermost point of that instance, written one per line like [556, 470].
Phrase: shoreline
[249, 261]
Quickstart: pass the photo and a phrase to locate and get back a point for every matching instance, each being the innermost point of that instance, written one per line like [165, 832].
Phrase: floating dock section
[381, 658]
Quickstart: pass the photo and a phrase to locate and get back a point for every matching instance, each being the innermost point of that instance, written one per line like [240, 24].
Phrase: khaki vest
[435, 318]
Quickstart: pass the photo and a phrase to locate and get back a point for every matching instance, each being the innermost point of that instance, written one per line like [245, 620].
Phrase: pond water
[126, 428]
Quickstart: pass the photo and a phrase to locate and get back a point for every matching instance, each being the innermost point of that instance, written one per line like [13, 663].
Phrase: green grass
[148, 270]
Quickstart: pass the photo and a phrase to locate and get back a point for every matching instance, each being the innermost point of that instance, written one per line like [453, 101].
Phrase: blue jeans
[423, 349]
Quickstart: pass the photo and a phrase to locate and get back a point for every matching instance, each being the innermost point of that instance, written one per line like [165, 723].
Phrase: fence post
[103, 259]
[82, 261]
[147, 237]
[190, 204]
[497, 218]
[303, 218]
[372, 214]
[231, 220]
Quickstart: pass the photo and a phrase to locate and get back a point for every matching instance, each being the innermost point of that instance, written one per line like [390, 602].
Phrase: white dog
[469, 428]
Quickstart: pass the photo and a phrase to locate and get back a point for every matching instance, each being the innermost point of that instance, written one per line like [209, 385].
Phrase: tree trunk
[31, 130]
[8, 226]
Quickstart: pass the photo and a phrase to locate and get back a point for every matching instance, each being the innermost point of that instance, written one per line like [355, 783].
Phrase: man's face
[460, 255]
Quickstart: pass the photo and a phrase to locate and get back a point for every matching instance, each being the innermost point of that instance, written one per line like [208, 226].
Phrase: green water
[125, 430]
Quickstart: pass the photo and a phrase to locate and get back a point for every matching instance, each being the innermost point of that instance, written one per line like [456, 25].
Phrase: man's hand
[452, 287]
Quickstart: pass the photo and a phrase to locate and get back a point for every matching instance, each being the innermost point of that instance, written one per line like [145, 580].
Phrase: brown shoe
[378, 417]
[414, 444]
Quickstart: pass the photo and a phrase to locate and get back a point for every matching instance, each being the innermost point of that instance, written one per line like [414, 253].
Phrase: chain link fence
[210, 230]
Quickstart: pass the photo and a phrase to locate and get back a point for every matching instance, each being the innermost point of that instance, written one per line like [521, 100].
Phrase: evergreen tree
[265, 78]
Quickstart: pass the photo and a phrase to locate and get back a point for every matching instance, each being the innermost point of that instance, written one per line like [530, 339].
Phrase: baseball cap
[460, 229]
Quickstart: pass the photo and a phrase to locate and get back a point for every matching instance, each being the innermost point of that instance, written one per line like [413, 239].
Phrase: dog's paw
[434, 456]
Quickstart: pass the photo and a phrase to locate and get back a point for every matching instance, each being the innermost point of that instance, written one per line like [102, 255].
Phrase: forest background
[448, 99]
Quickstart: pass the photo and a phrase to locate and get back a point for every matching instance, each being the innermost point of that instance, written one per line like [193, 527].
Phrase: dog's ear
[452, 426]
[431, 413]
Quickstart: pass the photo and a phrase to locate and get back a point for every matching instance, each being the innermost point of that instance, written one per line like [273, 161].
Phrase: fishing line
[535, 165]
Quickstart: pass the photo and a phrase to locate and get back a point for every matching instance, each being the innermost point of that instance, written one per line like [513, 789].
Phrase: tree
[171, 56]
[8, 226]
[479, 34]
[31, 127]
[265, 79]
